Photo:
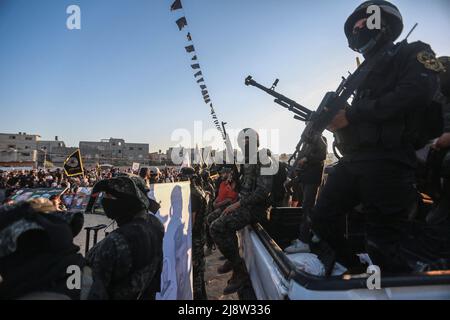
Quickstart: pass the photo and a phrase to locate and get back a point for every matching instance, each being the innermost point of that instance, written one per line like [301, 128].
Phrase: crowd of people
[138, 236]
[13, 180]
[378, 174]
[38, 251]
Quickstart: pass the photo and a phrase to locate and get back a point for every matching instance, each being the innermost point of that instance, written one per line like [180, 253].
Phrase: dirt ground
[91, 220]
[214, 282]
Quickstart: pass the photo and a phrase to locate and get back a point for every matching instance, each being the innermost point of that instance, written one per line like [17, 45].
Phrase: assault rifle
[332, 103]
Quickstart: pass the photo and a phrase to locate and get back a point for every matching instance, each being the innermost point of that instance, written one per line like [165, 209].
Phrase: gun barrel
[281, 99]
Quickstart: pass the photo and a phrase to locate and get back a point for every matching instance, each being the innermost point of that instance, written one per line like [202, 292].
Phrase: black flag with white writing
[176, 5]
[73, 166]
[181, 23]
[189, 48]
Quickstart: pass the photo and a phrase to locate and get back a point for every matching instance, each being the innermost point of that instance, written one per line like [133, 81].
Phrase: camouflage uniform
[213, 215]
[254, 199]
[127, 264]
[198, 205]
[36, 248]
[210, 196]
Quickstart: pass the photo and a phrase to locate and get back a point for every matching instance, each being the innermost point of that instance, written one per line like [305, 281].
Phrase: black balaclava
[120, 210]
[364, 39]
[128, 197]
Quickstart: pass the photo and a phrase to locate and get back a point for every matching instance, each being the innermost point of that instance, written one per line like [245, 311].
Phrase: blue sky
[126, 73]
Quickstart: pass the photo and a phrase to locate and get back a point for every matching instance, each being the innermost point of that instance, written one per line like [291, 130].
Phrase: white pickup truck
[275, 276]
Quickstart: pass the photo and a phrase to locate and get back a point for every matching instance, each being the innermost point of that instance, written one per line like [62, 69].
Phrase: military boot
[237, 280]
[225, 268]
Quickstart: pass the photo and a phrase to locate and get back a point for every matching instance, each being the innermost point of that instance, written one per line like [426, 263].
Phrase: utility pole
[45, 158]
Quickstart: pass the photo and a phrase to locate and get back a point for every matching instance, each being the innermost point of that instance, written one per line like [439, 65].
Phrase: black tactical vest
[392, 136]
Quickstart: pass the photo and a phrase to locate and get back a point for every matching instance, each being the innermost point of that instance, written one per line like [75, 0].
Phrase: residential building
[114, 151]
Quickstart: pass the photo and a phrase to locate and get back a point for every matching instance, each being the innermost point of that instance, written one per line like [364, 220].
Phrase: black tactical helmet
[205, 174]
[247, 133]
[391, 25]
[187, 172]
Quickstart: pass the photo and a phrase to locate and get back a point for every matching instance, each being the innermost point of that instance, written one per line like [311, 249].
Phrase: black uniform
[127, 264]
[209, 189]
[439, 168]
[198, 207]
[377, 169]
[310, 178]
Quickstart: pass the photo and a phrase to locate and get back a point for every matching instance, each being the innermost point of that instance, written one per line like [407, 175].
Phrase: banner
[175, 214]
[78, 201]
[176, 5]
[8, 169]
[27, 194]
[73, 166]
[190, 48]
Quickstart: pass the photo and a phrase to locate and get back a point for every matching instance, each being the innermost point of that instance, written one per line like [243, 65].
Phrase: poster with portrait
[27, 194]
[79, 200]
[175, 214]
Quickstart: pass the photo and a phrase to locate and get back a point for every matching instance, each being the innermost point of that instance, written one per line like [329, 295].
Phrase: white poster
[135, 166]
[175, 214]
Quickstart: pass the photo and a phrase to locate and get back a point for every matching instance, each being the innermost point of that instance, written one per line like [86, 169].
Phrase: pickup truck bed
[275, 277]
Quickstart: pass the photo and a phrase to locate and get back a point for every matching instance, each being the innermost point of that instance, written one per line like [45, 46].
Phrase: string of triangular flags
[195, 64]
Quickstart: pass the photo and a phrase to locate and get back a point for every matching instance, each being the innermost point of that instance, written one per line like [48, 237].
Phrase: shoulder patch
[429, 61]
